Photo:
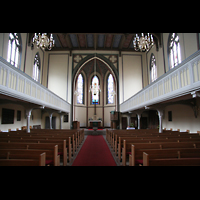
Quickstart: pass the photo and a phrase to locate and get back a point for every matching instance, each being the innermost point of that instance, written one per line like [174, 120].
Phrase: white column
[61, 117]
[28, 115]
[50, 120]
[138, 116]
[129, 120]
[160, 115]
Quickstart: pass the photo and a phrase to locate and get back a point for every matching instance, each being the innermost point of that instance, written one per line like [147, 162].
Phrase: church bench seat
[41, 146]
[32, 153]
[137, 153]
[42, 140]
[128, 147]
[152, 140]
[191, 161]
[40, 161]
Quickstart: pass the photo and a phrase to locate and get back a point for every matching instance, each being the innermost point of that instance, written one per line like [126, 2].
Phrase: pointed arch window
[14, 46]
[153, 68]
[80, 89]
[174, 50]
[110, 89]
[95, 92]
[36, 68]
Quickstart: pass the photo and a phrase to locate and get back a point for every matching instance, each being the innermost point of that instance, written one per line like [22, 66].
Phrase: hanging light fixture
[143, 43]
[43, 41]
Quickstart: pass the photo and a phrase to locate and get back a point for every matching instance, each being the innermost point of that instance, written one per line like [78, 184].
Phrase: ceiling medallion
[143, 43]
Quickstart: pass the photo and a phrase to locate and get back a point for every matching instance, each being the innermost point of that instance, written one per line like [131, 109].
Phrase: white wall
[57, 74]
[131, 77]
[35, 118]
[182, 118]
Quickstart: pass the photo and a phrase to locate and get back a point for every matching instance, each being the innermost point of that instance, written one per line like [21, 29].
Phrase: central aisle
[94, 152]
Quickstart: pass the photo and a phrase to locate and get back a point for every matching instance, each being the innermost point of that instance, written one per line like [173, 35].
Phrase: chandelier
[143, 43]
[43, 41]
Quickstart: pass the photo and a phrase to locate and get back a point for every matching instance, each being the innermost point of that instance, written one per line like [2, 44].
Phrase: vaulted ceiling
[96, 41]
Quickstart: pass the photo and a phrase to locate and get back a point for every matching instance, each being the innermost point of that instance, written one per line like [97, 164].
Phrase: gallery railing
[179, 81]
[17, 84]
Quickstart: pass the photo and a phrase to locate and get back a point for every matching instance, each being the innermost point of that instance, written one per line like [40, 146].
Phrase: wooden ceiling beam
[67, 38]
[95, 36]
[113, 38]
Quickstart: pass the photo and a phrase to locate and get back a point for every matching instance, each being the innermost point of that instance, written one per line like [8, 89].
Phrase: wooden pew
[170, 161]
[162, 145]
[40, 161]
[72, 143]
[41, 139]
[41, 146]
[153, 140]
[52, 157]
[136, 156]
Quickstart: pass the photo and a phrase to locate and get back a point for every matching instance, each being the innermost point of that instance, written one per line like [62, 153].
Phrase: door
[124, 122]
[47, 123]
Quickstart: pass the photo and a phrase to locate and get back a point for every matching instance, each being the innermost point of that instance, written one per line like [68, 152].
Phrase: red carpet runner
[94, 152]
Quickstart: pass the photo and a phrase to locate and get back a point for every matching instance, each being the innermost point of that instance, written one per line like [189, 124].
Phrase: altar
[95, 123]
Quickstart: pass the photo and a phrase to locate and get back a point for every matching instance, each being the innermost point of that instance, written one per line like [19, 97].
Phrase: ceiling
[97, 41]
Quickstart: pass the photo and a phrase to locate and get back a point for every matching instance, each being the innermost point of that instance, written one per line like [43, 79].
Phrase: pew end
[145, 159]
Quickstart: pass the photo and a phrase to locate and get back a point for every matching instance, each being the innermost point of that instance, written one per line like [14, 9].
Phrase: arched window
[174, 50]
[36, 67]
[95, 86]
[14, 47]
[110, 89]
[80, 89]
[153, 68]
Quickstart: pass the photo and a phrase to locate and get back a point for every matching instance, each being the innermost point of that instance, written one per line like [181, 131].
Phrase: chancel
[116, 84]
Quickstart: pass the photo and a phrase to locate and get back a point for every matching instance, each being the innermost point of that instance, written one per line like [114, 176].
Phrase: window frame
[83, 89]
[153, 67]
[174, 50]
[14, 49]
[107, 102]
[98, 92]
[36, 68]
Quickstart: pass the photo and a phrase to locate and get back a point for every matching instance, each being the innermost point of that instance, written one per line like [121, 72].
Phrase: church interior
[100, 81]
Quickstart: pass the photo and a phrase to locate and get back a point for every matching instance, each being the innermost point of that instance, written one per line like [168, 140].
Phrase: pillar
[28, 115]
[138, 116]
[129, 120]
[160, 115]
[61, 117]
[50, 120]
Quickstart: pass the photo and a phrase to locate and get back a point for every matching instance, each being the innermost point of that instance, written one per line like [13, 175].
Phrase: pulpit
[114, 118]
[76, 124]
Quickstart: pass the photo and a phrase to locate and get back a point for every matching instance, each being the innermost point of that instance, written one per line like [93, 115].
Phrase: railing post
[191, 73]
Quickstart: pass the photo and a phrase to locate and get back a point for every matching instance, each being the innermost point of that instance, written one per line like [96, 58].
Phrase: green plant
[132, 124]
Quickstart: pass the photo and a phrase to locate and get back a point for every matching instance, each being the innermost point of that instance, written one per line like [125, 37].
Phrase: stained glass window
[174, 50]
[13, 49]
[80, 89]
[110, 89]
[153, 68]
[36, 67]
[95, 93]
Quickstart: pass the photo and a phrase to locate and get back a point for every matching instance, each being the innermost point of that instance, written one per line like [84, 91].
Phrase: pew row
[148, 161]
[60, 150]
[127, 148]
[40, 161]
